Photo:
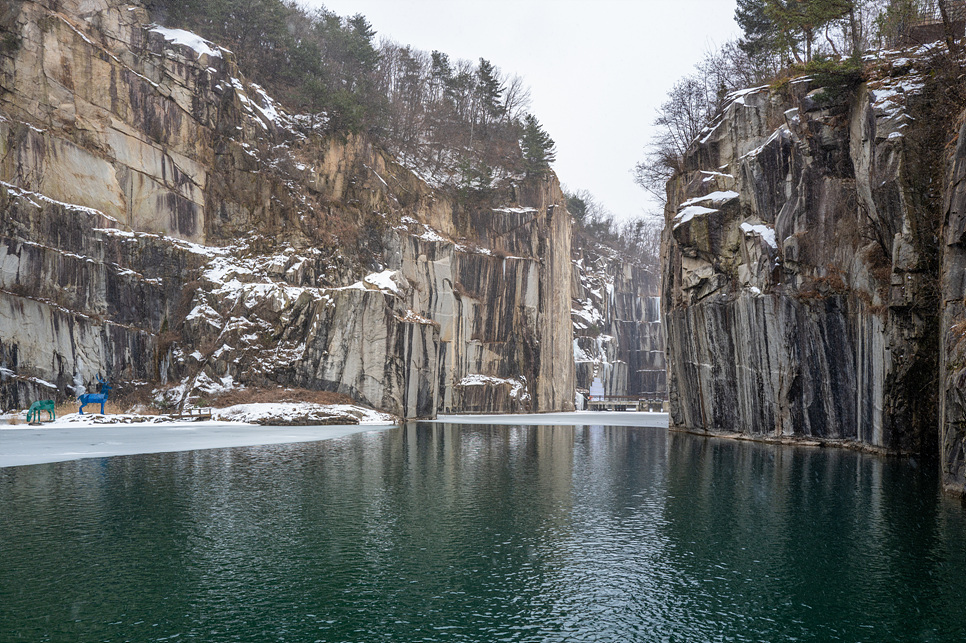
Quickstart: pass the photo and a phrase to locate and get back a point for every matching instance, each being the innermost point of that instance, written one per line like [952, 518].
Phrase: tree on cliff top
[759, 31]
[538, 148]
[317, 62]
[784, 27]
[438, 116]
[638, 239]
[680, 119]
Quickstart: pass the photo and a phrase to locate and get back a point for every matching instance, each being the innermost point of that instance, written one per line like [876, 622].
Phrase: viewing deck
[196, 414]
[624, 403]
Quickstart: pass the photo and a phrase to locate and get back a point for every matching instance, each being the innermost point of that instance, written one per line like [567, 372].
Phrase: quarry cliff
[813, 269]
[168, 224]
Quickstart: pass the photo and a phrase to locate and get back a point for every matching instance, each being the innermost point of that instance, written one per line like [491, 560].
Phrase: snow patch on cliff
[192, 41]
[518, 386]
[766, 232]
[385, 281]
[690, 212]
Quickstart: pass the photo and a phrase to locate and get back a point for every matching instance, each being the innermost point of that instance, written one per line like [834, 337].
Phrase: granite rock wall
[616, 313]
[165, 223]
[801, 286]
[814, 267]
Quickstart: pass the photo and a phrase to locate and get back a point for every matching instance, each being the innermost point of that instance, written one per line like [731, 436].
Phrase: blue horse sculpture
[96, 398]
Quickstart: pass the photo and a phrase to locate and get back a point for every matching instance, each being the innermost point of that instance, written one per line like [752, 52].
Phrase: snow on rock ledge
[301, 414]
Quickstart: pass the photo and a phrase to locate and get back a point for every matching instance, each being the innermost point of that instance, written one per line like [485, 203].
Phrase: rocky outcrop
[617, 322]
[166, 223]
[802, 264]
[952, 440]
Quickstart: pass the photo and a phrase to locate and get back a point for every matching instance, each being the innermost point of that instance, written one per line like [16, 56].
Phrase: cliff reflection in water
[834, 543]
[482, 533]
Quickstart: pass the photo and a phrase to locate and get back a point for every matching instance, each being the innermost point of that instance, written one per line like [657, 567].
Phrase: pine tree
[440, 75]
[894, 22]
[537, 146]
[489, 89]
[783, 27]
[797, 21]
[759, 30]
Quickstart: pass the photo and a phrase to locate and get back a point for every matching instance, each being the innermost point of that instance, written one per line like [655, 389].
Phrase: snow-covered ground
[578, 418]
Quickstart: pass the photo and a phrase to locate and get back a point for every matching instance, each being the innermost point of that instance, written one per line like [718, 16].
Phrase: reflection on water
[474, 533]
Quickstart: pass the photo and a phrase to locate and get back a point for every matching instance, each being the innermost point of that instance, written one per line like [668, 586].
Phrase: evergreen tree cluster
[461, 123]
[459, 120]
[789, 29]
[312, 62]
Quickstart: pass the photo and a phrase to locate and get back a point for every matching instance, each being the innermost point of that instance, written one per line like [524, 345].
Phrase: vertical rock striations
[802, 266]
[165, 222]
[953, 366]
[617, 322]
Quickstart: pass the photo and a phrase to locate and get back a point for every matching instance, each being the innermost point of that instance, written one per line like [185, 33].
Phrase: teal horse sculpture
[33, 413]
[95, 398]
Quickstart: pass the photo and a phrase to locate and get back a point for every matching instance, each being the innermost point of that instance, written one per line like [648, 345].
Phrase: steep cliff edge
[953, 366]
[803, 269]
[166, 222]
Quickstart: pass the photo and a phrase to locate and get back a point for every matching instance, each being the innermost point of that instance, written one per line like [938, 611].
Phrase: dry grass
[66, 408]
[111, 407]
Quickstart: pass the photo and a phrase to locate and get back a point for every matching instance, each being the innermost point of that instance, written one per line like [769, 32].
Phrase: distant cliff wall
[167, 224]
[617, 322]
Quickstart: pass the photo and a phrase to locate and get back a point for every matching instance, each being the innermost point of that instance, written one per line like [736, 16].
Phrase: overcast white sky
[597, 69]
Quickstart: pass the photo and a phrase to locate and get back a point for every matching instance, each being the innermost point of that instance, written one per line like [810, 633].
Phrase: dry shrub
[880, 264]
[264, 395]
[183, 307]
[828, 285]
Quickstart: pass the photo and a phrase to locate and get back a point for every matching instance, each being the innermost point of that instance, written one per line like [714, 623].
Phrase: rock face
[953, 366]
[617, 322]
[802, 266]
[166, 222]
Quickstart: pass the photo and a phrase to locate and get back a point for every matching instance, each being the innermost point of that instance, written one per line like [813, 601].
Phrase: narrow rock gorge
[813, 270]
[166, 223]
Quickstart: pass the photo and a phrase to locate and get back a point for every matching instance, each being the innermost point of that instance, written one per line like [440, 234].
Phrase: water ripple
[450, 533]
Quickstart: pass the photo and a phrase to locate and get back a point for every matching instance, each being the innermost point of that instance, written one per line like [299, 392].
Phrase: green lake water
[443, 532]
